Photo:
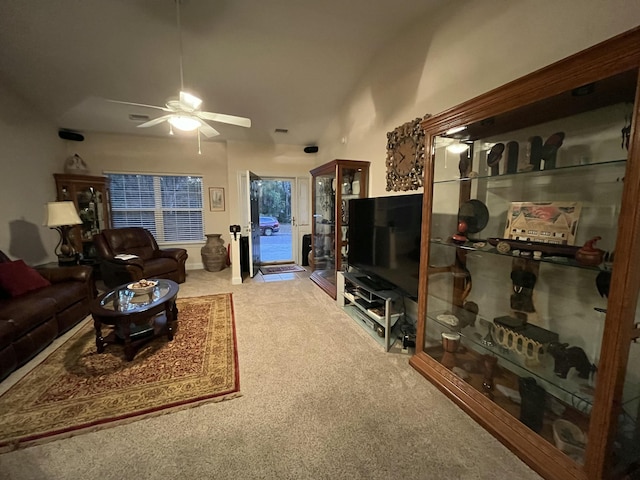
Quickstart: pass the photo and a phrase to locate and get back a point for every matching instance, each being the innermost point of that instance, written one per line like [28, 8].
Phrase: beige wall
[265, 160]
[133, 154]
[30, 152]
[219, 165]
[437, 63]
[475, 46]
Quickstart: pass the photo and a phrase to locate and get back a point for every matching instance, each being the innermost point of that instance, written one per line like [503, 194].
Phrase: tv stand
[370, 304]
[376, 284]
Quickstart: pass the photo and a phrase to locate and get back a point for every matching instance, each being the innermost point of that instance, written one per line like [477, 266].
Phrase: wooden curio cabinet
[90, 195]
[530, 262]
[334, 184]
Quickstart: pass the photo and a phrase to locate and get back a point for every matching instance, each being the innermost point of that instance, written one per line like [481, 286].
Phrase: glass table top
[124, 300]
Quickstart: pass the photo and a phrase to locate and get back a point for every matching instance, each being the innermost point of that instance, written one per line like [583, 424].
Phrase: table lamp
[62, 216]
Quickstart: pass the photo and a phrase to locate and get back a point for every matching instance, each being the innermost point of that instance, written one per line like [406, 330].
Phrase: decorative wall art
[76, 165]
[547, 222]
[216, 199]
[405, 156]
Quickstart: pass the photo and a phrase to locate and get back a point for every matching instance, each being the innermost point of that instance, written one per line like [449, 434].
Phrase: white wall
[462, 52]
[30, 152]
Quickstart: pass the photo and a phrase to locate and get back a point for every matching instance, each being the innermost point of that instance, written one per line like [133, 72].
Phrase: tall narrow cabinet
[334, 184]
[90, 195]
[530, 262]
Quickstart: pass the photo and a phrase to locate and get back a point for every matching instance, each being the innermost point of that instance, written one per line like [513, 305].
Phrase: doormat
[269, 269]
[76, 390]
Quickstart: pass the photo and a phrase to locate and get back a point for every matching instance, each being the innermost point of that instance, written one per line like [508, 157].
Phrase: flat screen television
[384, 240]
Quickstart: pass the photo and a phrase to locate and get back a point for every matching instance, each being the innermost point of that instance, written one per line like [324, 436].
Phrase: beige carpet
[77, 389]
[320, 400]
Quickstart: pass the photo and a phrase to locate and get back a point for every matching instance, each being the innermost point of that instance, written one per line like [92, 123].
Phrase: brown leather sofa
[150, 261]
[31, 321]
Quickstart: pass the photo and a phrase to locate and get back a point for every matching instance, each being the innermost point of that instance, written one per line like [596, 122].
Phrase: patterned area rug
[76, 389]
[268, 269]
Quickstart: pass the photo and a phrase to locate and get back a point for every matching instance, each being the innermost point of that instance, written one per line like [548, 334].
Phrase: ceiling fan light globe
[184, 123]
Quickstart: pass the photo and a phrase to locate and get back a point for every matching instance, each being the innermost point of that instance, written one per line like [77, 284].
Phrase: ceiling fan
[184, 112]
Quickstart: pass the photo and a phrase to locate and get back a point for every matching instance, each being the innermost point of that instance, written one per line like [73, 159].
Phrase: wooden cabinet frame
[324, 272]
[603, 61]
[71, 187]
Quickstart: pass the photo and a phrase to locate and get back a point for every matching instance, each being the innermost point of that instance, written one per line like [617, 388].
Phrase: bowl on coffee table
[142, 286]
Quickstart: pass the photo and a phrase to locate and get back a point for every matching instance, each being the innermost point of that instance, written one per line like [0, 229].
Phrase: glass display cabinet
[530, 259]
[334, 184]
[90, 195]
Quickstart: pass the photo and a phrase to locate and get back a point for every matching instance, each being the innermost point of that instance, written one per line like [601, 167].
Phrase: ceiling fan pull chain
[184, 112]
[180, 43]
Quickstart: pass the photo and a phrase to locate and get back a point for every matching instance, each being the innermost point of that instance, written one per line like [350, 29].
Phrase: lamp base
[65, 261]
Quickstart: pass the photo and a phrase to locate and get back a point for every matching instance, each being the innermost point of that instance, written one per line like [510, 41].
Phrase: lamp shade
[57, 214]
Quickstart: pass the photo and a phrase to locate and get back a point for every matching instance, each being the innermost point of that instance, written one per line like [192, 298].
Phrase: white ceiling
[283, 63]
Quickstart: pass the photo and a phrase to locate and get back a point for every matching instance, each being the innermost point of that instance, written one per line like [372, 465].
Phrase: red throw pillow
[18, 278]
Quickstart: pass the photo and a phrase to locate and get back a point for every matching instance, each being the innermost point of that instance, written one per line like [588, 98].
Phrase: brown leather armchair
[149, 262]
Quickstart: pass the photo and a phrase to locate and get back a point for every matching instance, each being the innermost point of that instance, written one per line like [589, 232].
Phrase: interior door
[253, 225]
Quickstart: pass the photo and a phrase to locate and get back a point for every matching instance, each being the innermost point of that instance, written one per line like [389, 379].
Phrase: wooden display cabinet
[90, 195]
[334, 184]
[530, 333]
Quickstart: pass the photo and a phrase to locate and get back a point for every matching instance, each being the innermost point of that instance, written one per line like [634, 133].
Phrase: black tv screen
[384, 239]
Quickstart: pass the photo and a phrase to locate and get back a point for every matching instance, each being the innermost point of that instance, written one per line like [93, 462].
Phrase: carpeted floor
[320, 400]
[76, 388]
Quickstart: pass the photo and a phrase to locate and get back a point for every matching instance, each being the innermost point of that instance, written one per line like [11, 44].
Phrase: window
[169, 206]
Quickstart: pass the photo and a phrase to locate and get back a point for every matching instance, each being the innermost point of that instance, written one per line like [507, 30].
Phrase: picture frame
[216, 199]
[547, 222]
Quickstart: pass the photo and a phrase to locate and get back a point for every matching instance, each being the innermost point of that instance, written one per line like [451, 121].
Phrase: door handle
[293, 221]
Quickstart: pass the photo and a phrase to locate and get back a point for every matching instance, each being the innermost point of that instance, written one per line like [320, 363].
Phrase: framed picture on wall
[216, 199]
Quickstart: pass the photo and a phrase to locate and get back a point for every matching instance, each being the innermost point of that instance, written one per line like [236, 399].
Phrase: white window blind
[169, 206]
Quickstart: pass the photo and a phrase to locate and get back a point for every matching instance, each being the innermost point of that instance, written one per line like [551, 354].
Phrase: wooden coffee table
[136, 318]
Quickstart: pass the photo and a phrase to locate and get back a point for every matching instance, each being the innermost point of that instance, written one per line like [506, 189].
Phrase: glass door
[324, 225]
[276, 220]
[252, 214]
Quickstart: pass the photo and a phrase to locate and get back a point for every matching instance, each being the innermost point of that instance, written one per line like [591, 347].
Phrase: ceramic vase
[450, 344]
[214, 253]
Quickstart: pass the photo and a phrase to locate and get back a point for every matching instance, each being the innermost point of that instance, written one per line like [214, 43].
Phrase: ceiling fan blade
[221, 117]
[155, 121]
[165, 109]
[207, 130]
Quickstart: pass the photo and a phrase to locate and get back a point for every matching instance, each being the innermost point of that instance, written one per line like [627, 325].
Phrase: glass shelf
[377, 311]
[334, 184]
[363, 319]
[490, 250]
[568, 320]
[558, 172]
[479, 336]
